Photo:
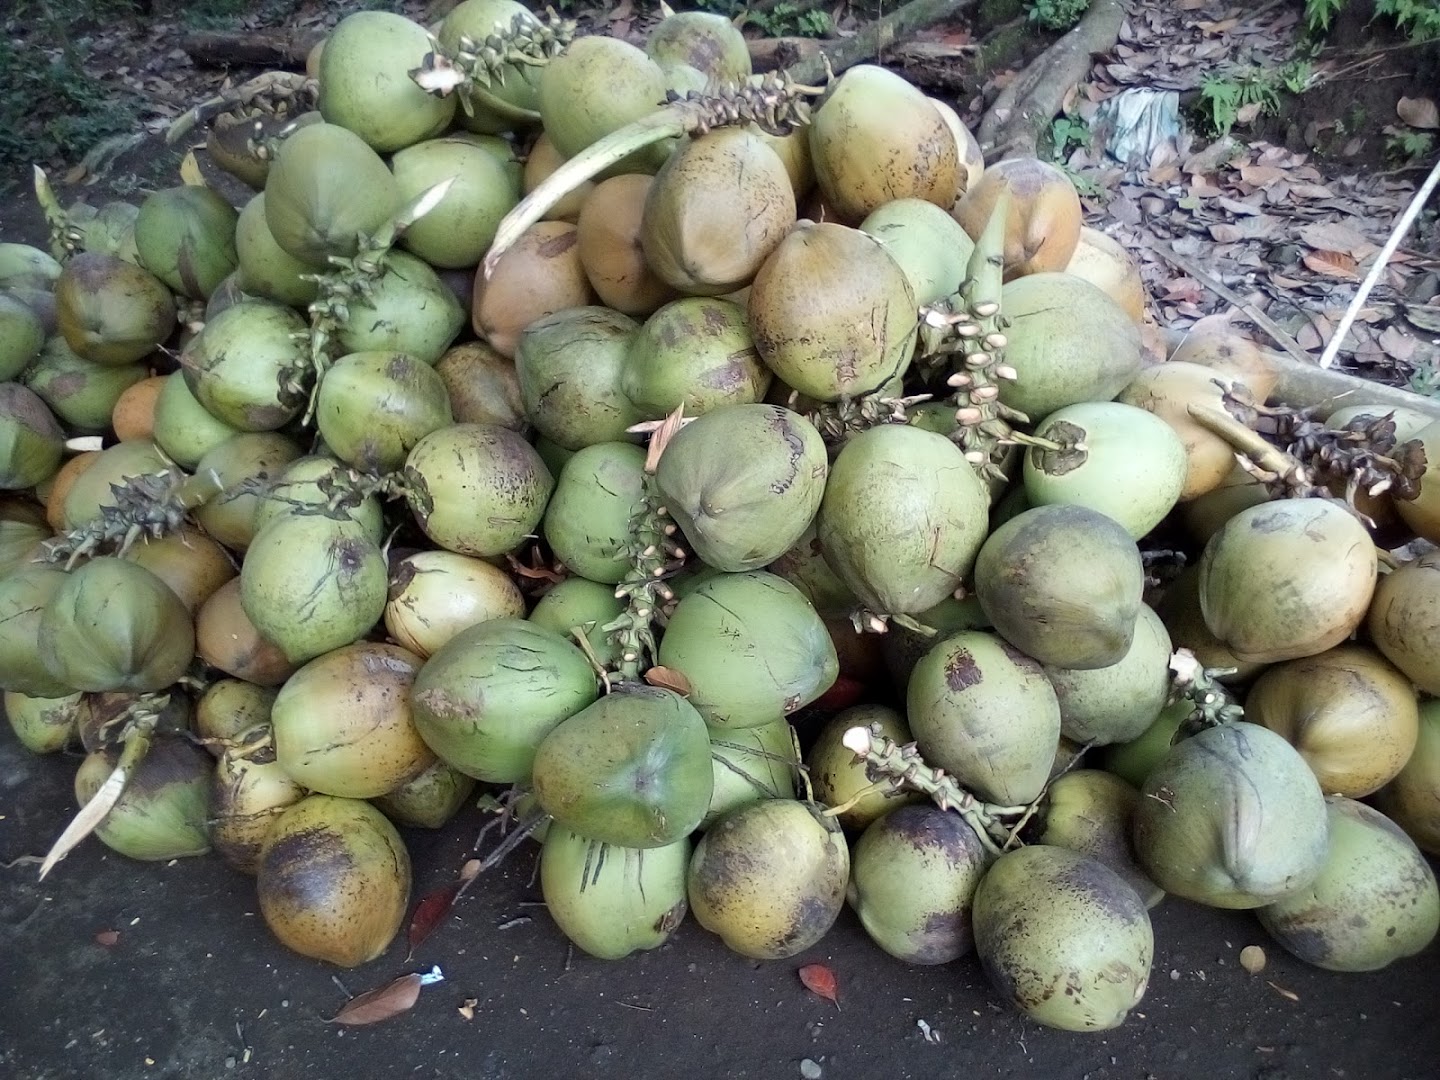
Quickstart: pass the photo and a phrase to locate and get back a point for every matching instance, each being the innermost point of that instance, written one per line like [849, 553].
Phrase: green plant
[785, 19]
[1404, 147]
[1418, 20]
[1222, 97]
[1057, 14]
[1066, 134]
[1424, 380]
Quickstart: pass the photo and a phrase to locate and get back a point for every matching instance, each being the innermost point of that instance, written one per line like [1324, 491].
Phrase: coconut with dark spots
[750, 764]
[430, 799]
[250, 789]
[343, 723]
[902, 647]
[185, 236]
[476, 489]
[92, 490]
[743, 482]
[32, 442]
[838, 778]
[913, 876]
[1063, 584]
[1374, 902]
[308, 484]
[373, 407]
[832, 313]
[1412, 799]
[230, 707]
[903, 518]
[587, 521]
[610, 900]
[334, 880]
[112, 311]
[984, 712]
[408, 310]
[188, 560]
[1092, 811]
[751, 647]
[1349, 711]
[1404, 620]
[539, 276]
[241, 464]
[81, 394]
[705, 41]
[1063, 938]
[1287, 579]
[113, 625]
[310, 584]
[633, 769]
[716, 210]
[162, 811]
[769, 878]
[698, 352]
[44, 725]
[1100, 706]
[876, 138]
[436, 594]
[482, 386]
[1233, 818]
[487, 697]
[249, 366]
[571, 368]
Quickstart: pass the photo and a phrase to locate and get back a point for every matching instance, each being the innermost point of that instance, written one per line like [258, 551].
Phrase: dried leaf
[190, 171]
[467, 1010]
[435, 907]
[1289, 995]
[1334, 264]
[669, 679]
[820, 981]
[1398, 344]
[1418, 112]
[1333, 236]
[107, 938]
[382, 1003]
[88, 819]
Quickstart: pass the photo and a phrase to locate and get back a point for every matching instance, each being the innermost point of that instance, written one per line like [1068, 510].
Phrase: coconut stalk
[472, 67]
[777, 105]
[273, 93]
[654, 556]
[892, 766]
[354, 279]
[147, 507]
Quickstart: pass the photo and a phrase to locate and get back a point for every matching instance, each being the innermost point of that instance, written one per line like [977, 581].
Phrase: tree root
[1025, 108]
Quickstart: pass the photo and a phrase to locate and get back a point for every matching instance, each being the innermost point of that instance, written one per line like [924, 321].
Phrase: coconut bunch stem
[66, 239]
[838, 421]
[777, 105]
[147, 507]
[902, 768]
[1191, 681]
[654, 556]
[353, 279]
[967, 332]
[472, 67]
[272, 93]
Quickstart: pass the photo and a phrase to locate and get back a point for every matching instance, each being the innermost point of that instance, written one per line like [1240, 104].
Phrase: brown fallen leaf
[668, 679]
[820, 981]
[1418, 112]
[467, 1009]
[1334, 264]
[382, 1003]
[107, 938]
[1397, 344]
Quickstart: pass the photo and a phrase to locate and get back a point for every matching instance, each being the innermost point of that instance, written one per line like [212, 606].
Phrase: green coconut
[265, 268]
[571, 367]
[695, 352]
[587, 521]
[928, 244]
[185, 236]
[457, 231]
[250, 366]
[112, 311]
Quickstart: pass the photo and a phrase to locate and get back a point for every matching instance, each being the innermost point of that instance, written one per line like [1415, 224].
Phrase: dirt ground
[196, 988]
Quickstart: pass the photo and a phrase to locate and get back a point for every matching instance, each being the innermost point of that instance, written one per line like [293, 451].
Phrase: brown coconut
[718, 208]
[1042, 229]
[972, 161]
[1100, 260]
[610, 249]
[543, 160]
[1214, 343]
[539, 276]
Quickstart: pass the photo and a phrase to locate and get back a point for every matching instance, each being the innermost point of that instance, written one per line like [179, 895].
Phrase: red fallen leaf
[382, 1003]
[435, 906]
[820, 981]
[107, 938]
[668, 679]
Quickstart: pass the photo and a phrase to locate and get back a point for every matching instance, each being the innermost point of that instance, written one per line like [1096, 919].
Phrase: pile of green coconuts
[769, 503]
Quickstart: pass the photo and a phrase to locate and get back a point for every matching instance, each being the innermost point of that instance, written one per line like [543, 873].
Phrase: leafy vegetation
[1057, 14]
[1405, 147]
[1418, 20]
[785, 19]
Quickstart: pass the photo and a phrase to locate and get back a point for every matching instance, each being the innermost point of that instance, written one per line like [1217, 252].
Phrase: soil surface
[195, 986]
